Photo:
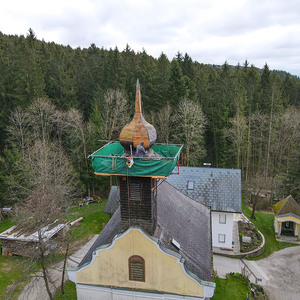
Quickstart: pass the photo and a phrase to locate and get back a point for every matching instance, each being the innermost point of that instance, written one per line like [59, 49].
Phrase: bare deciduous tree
[43, 177]
[77, 134]
[51, 178]
[190, 122]
[255, 186]
[113, 111]
[286, 138]
[238, 134]
[163, 123]
[77, 131]
[41, 118]
[38, 121]
[18, 129]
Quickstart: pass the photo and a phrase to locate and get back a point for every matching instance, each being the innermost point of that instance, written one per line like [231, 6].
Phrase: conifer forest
[57, 102]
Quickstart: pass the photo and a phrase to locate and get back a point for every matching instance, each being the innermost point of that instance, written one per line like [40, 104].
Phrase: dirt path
[36, 290]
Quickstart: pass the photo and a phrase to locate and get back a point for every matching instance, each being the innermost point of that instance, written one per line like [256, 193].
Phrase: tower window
[136, 268]
[135, 190]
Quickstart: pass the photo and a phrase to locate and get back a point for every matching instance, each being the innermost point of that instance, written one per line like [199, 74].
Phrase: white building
[219, 189]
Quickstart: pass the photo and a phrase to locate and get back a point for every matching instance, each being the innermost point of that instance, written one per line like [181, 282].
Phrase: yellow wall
[162, 271]
[288, 218]
[297, 229]
[276, 225]
[278, 220]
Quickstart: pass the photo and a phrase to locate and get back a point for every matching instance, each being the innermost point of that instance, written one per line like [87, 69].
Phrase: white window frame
[222, 238]
[190, 185]
[222, 218]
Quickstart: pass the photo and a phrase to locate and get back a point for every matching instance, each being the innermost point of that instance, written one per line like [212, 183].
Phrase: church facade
[157, 245]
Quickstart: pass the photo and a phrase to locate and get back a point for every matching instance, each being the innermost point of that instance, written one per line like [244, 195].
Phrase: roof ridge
[289, 200]
[284, 204]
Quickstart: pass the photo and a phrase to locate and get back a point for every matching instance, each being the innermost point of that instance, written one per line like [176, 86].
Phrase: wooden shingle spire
[138, 130]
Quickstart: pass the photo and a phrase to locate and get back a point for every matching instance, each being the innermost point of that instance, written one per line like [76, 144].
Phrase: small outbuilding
[22, 239]
[287, 218]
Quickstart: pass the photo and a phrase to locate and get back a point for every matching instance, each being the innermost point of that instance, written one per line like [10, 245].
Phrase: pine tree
[163, 65]
[264, 102]
[130, 65]
[188, 67]
[218, 113]
[176, 88]
[147, 74]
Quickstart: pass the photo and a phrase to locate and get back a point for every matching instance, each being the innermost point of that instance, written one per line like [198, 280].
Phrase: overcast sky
[210, 31]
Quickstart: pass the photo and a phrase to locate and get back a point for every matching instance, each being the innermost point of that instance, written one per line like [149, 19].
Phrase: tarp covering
[108, 160]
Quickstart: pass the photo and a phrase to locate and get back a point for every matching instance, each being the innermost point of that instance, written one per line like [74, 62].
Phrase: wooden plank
[110, 174]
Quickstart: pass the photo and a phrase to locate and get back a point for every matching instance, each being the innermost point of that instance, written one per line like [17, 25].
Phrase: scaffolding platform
[112, 159]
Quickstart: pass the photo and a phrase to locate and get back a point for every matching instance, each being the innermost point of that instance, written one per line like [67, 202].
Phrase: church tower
[137, 176]
[138, 193]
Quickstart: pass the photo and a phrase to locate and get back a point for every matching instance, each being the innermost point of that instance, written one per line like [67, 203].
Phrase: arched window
[136, 268]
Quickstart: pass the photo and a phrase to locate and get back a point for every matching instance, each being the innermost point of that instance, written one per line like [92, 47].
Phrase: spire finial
[138, 100]
[138, 129]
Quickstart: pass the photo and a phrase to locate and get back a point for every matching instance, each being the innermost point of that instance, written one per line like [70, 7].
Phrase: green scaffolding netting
[108, 160]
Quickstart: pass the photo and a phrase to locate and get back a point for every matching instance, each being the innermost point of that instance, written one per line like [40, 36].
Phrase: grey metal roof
[187, 222]
[179, 217]
[217, 188]
[113, 200]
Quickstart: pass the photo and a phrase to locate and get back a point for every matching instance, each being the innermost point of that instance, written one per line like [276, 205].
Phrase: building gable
[286, 206]
[164, 270]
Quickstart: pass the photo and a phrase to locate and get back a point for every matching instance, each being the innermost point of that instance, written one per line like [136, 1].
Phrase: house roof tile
[113, 200]
[217, 188]
[287, 205]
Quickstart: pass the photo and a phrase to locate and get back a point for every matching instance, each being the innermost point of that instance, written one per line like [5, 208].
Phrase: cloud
[210, 31]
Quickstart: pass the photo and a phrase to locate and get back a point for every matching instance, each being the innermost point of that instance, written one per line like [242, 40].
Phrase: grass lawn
[70, 292]
[6, 223]
[265, 223]
[11, 268]
[11, 271]
[231, 288]
[93, 217]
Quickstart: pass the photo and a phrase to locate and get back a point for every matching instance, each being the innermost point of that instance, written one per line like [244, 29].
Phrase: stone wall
[18, 247]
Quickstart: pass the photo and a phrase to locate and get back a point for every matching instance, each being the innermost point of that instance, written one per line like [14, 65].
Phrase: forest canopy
[230, 116]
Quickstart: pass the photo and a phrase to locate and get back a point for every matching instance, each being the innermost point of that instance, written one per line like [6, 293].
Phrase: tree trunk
[44, 269]
[269, 138]
[253, 209]
[64, 270]
[248, 151]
